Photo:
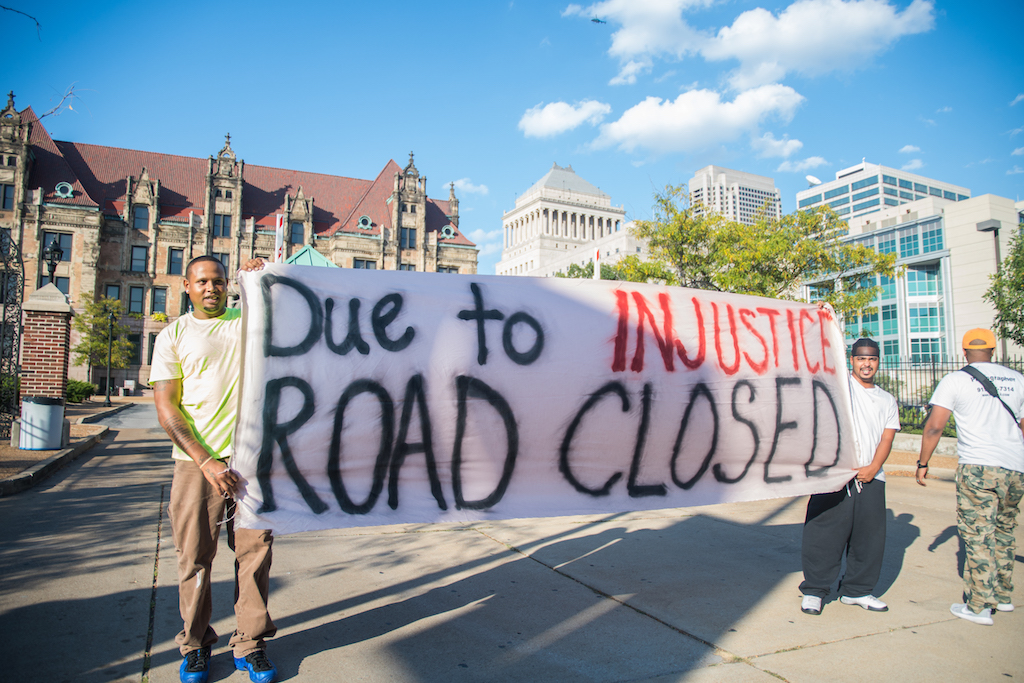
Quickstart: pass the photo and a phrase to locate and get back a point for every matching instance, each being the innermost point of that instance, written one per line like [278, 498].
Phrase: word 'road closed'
[383, 397]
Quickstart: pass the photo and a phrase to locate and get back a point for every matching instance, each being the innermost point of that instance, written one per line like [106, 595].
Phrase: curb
[938, 473]
[40, 471]
[96, 417]
[947, 445]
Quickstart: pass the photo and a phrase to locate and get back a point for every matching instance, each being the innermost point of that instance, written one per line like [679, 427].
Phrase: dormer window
[407, 239]
[217, 193]
[12, 161]
[227, 194]
[141, 221]
[221, 226]
[298, 233]
[365, 223]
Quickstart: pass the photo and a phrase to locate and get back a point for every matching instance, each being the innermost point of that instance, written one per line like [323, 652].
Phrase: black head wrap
[865, 343]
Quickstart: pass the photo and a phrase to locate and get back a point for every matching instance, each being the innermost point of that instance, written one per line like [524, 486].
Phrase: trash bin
[42, 423]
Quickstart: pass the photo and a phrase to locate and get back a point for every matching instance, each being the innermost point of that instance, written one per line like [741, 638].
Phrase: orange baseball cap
[979, 338]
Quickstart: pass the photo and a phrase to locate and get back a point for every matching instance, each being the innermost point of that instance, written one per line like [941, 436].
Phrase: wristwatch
[920, 464]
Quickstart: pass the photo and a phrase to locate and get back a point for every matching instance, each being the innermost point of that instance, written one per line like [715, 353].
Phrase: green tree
[631, 269]
[1006, 292]
[771, 258]
[93, 326]
[576, 272]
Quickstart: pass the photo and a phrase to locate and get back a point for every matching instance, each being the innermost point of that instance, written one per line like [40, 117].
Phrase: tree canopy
[576, 271]
[93, 326]
[1006, 293]
[770, 258]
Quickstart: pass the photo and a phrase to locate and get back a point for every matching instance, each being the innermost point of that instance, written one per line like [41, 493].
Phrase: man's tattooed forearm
[180, 432]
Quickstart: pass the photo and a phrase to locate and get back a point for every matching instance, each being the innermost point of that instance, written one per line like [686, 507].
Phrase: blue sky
[489, 94]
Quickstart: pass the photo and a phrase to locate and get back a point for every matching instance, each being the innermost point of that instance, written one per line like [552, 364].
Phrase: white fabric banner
[380, 397]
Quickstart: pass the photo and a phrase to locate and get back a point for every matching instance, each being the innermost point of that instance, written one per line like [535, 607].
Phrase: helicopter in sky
[598, 21]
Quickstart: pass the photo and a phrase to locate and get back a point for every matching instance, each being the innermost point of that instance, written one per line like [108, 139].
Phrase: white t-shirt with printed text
[206, 356]
[874, 411]
[986, 434]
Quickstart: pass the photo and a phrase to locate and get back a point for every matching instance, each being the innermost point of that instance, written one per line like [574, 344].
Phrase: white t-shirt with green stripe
[205, 355]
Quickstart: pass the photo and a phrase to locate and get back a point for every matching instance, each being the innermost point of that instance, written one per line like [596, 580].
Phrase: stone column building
[560, 214]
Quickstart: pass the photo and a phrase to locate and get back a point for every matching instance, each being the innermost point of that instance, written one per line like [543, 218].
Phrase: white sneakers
[964, 612]
[868, 602]
[811, 604]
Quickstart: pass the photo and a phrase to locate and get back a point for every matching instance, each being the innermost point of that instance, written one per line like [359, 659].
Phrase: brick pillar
[46, 344]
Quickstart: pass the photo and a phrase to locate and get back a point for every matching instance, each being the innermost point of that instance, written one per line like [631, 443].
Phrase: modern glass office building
[867, 188]
[947, 248]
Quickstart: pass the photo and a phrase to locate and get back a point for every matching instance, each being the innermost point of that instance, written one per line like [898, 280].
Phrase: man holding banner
[853, 518]
[196, 371]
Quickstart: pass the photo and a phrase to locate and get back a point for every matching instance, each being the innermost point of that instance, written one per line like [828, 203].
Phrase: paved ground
[87, 591]
[14, 460]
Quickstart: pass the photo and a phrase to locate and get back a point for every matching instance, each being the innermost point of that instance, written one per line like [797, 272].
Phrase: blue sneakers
[195, 668]
[260, 669]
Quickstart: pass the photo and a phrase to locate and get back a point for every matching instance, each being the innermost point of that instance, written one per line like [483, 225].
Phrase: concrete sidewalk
[88, 587]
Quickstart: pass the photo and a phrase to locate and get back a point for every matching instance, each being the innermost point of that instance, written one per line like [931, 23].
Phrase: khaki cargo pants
[195, 510]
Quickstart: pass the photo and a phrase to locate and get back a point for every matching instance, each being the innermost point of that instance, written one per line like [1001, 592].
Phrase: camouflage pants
[987, 502]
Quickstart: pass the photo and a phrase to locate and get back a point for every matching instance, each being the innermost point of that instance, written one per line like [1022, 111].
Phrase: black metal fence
[912, 381]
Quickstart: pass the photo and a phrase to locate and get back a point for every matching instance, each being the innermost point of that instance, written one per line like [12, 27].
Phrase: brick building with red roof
[129, 221]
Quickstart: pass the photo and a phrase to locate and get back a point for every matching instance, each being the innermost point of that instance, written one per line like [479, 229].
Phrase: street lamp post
[110, 342]
[992, 225]
[53, 255]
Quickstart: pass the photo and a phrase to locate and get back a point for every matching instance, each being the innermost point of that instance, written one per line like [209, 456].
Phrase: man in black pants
[853, 518]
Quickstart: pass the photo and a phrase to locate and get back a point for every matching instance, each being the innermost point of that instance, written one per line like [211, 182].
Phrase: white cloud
[814, 37]
[648, 29]
[1015, 131]
[558, 117]
[805, 165]
[697, 119]
[1017, 99]
[489, 242]
[768, 146]
[481, 236]
[913, 165]
[909, 149]
[1017, 152]
[629, 71]
[1015, 170]
[464, 185]
[944, 110]
[811, 37]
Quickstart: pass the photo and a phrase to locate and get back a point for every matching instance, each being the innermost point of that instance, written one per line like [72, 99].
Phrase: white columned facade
[561, 214]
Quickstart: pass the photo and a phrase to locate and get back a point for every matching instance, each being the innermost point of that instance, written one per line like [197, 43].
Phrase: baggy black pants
[847, 520]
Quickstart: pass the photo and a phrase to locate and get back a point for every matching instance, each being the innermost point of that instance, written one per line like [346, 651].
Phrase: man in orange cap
[987, 401]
